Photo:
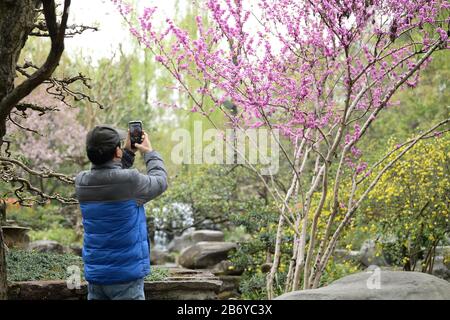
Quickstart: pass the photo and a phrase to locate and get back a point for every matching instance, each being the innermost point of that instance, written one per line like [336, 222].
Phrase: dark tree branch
[46, 70]
[30, 106]
[60, 87]
[9, 175]
[40, 30]
[26, 185]
[43, 174]
[23, 127]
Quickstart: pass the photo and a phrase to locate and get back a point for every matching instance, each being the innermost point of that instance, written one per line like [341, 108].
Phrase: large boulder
[378, 285]
[205, 254]
[192, 237]
[46, 246]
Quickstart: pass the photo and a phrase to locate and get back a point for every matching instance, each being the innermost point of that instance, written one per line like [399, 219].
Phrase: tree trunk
[17, 19]
[3, 282]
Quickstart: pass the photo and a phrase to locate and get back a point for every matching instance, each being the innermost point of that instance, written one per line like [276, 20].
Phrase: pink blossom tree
[320, 72]
[50, 140]
[44, 139]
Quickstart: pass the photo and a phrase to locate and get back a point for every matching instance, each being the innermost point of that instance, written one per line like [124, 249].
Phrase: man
[112, 197]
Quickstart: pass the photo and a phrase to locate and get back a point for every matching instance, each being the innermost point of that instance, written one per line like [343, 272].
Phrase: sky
[112, 30]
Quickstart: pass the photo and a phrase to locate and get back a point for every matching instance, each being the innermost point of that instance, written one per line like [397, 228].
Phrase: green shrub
[335, 271]
[62, 235]
[34, 266]
[157, 274]
[31, 266]
[253, 286]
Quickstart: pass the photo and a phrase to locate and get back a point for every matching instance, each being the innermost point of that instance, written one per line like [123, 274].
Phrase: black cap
[104, 137]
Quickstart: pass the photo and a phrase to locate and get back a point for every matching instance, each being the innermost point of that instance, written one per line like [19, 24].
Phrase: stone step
[181, 289]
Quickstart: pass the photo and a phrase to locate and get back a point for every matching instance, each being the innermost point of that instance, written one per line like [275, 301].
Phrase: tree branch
[46, 70]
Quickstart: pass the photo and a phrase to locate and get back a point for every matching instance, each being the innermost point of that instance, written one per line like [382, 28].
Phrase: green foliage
[30, 266]
[158, 274]
[209, 192]
[336, 270]
[46, 222]
[37, 218]
[65, 236]
[259, 221]
[253, 286]
[237, 234]
[411, 202]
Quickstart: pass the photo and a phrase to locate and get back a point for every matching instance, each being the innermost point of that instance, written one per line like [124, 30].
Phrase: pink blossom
[298, 62]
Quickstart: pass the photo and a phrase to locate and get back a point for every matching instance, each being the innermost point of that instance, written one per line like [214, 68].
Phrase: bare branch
[41, 30]
[42, 110]
[42, 174]
[57, 47]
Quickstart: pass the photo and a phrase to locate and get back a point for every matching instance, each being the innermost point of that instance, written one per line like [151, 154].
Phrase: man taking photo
[116, 250]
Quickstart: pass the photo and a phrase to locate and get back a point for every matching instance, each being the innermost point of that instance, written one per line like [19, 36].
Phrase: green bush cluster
[35, 266]
[32, 266]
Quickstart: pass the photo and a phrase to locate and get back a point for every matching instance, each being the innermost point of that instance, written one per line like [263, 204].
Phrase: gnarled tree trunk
[17, 18]
[3, 280]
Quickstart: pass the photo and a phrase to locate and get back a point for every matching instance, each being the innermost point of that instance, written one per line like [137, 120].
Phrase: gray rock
[46, 290]
[182, 290]
[205, 254]
[16, 237]
[178, 273]
[46, 246]
[368, 255]
[185, 289]
[160, 257]
[190, 238]
[441, 268]
[76, 250]
[442, 251]
[393, 285]
[177, 244]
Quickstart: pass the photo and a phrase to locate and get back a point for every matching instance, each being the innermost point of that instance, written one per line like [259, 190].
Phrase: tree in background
[320, 72]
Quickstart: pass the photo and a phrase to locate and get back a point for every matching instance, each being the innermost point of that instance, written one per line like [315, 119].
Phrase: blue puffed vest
[115, 248]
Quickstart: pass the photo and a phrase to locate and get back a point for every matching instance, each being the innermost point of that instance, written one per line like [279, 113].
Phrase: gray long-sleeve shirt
[112, 182]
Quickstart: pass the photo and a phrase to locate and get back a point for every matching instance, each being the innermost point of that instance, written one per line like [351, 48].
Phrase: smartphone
[135, 132]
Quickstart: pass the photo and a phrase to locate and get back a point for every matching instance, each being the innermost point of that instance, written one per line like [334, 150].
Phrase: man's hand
[145, 146]
[128, 143]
